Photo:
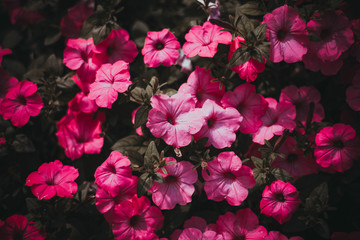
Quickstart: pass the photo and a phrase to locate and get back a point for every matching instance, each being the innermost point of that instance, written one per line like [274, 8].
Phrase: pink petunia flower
[178, 187]
[200, 86]
[275, 235]
[243, 225]
[301, 99]
[294, 161]
[23, 17]
[353, 93]
[220, 124]
[78, 55]
[194, 222]
[278, 117]
[287, 34]
[279, 200]
[18, 227]
[115, 171]
[160, 48]
[115, 47]
[136, 219]
[79, 133]
[184, 62]
[4, 52]
[6, 83]
[228, 179]
[203, 40]
[133, 113]
[72, 22]
[110, 80]
[249, 70]
[194, 233]
[345, 236]
[335, 35]
[53, 179]
[250, 105]
[174, 118]
[337, 146]
[21, 102]
[82, 103]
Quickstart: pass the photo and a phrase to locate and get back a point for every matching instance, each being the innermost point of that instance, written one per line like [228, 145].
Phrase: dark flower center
[109, 50]
[281, 34]
[159, 45]
[239, 237]
[272, 121]
[84, 56]
[112, 168]
[339, 144]
[21, 99]
[170, 120]
[240, 107]
[134, 220]
[210, 122]
[229, 175]
[50, 182]
[279, 197]
[17, 235]
[292, 157]
[325, 34]
[170, 179]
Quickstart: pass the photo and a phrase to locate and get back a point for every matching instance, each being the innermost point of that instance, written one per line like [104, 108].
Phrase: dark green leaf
[263, 49]
[33, 204]
[135, 158]
[52, 38]
[251, 9]
[281, 174]
[223, 24]
[151, 156]
[243, 25]
[258, 162]
[320, 194]
[65, 82]
[158, 178]
[260, 176]
[145, 182]
[240, 56]
[141, 115]
[322, 229]
[54, 65]
[139, 32]
[23, 144]
[260, 32]
[131, 142]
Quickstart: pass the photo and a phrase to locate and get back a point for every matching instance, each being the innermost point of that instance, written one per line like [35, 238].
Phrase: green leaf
[251, 9]
[243, 25]
[281, 174]
[145, 182]
[260, 176]
[263, 49]
[151, 156]
[258, 162]
[223, 24]
[23, 144]
[260, 32]
[319, 195]
[141, 115]
[131, 142]
[240, 56]
[138, 95]
[322, 229]
[158, 178]
[135, 158]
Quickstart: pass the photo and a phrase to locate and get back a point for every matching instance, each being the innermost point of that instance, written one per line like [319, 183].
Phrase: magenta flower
[200, 86]
[194, 233]
[174, 118]
[113, 173]
[18, 227]
[203, 40]
[110, 80]
[195, 223]
[160, 48]
[243, 225]
[4, 52]
[78, 55]
[23, 17]
[135, 219]
[352, 93]
[6, 83]
[228, 179]
[301, 99]
[335, 35]
[250, 105]
[178, 187]
[82, 103]
[294, 161]
[79, 133]
[115, 47]
[279, 200]
[184, 62]
[345, 236]
[220, 124]
[53, 179]
[275, 235]
[278, 117]
[337, 146]
[133, 113]
[287, 34]
[249, 70]
[72, 22]
[21, 102]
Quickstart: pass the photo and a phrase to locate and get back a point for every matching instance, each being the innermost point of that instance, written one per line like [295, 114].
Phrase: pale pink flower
[115, 47]
[279, 200]
[243, 225]
[115, 171]
[53, 179]
[287, 34]
[278, 117]
[174, 118]
[21, 102]
[345, 236]
[160, 48]
[228, 179]
[250, 105]
[18, 227]
[249, 70]
[72, 22]
[337, 146]
[79, 133]
[4, 52]
[220, 124]
[178, 187]
[275, 235]
[333, 30]
[200, 86]
[110, 80]
[294, 161]
[203, 40]
[184, 62]
[301, 99]
[353, 93]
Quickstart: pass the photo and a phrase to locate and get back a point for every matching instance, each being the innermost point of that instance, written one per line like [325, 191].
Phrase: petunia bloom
[220, 124]
[250, 105]
[203, 40]
[110, 80]
[72, 22]
[194, 233]
[243, 225]
[287, 34]
[352, 93]
[196, 223]
[136, 219]
[4, 52]
[279, 200]
[178, 187]
[337, 146]
[160, 48]
[228, 179]
[6, 83]
[275, 235]
[174, 118]
[18, 227]
[53, 179]
[249, 70]
[21, 102]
